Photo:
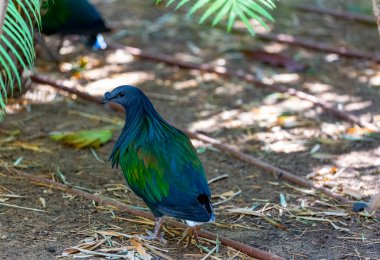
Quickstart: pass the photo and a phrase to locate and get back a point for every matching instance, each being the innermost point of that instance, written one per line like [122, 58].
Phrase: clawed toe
[153, 236]
[189, 234]
[157, 234]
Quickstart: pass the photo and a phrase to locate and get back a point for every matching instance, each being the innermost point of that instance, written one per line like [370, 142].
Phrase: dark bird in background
[75, 17]
[160, 164]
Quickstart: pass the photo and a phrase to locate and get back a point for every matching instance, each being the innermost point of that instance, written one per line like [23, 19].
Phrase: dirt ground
[287, 132]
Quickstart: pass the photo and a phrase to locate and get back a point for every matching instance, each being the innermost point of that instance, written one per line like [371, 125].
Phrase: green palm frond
[231, 10]
[16, 43]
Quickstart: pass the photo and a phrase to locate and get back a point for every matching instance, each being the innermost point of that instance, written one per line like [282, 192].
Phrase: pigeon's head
[124, 95]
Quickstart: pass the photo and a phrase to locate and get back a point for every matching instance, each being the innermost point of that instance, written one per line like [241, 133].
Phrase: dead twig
[337, 14]
[318, 46]
[246, 249]
[218, 178]
[20, 207]
[156, 252]
[57, 85]
[279, 173]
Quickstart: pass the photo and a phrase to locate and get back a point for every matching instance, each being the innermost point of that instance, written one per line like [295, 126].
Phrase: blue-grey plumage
[159, 162]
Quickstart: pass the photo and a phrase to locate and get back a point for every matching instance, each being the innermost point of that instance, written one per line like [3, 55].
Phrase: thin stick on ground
[336, 13]
[318, 46]
[312, 45]
[279, 173]
[223, 71]
[20, 207]
[246, 249]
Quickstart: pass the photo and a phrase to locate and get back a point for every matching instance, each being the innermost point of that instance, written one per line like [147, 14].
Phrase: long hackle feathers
[158, 161]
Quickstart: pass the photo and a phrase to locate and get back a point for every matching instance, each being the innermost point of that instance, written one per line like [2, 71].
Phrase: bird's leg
[189, 234]
[157, 235]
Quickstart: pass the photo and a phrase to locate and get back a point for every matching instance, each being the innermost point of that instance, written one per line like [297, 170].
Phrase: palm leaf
[231, 10]
[17, 22]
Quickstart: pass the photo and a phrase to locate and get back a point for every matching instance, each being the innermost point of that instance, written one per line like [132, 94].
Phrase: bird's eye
[121, 94]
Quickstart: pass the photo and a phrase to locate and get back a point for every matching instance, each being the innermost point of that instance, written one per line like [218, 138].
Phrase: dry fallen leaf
[141, 250]
[43, 202]
[87, 245]
[29, 146]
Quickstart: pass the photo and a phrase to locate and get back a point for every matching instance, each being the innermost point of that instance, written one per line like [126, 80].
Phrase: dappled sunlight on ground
[135, 78]
[285, 131]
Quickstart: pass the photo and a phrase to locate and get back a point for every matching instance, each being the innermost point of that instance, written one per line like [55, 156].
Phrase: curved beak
[107, 98]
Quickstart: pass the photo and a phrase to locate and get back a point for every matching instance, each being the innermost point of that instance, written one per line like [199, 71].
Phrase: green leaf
[12, 65]
[21, 26]
[15, 52]
[268, 3]
[16, 44]
[231, 17]
[21, 5]
[35, 9]
[4, 89]
[213, 8]
[183, 2]
[244, 18]
[198, 5]
[7, 73]
[12, 32]
[223, 12]
[84, 139]
[232, 10]
[256, 17]
[19, 30]
[257, 8]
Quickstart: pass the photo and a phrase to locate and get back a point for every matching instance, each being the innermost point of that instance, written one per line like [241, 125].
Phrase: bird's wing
[169, 177]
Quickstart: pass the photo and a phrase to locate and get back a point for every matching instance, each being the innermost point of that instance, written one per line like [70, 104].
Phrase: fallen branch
[57, 85]
[312, 45]
[308, 44]
[279, 173]
[337, 14]
[249, 78]
[248, 250]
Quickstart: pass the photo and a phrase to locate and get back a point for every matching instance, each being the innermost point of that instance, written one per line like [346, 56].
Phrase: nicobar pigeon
[160, 164]
[75, 17]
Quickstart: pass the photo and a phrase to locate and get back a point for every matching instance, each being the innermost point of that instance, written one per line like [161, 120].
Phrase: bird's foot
[189, 234]
[153, 236]
[157, 234]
